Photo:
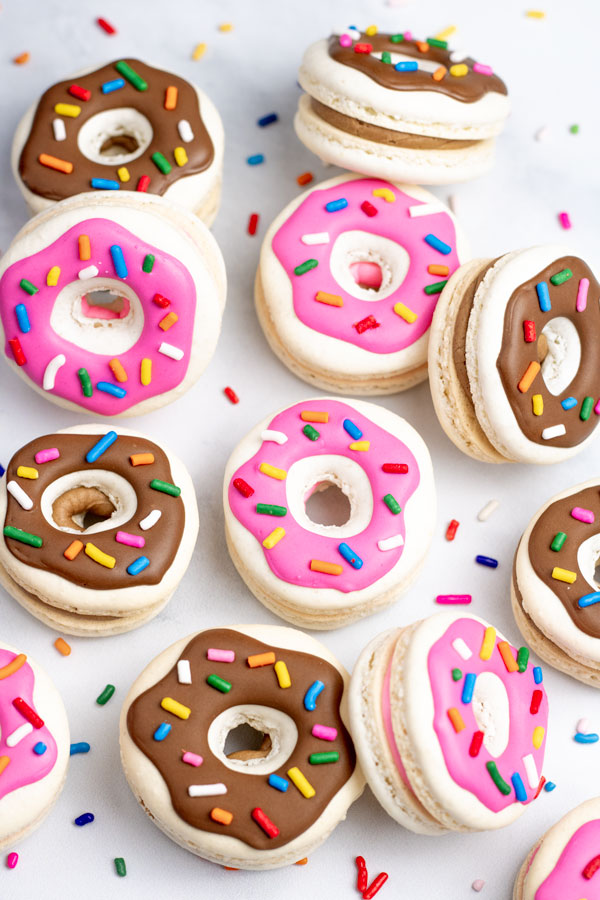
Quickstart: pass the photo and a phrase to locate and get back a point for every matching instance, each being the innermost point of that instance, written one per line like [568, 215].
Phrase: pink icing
[25, 766]
[566, 880]
[169, 277]
[393, 221]
[290, 559]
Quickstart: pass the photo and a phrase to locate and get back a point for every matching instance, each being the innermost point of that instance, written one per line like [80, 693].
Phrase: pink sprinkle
[478, 885]
[220, 655]
[564, 219]
[448, 599]
[345, 40]
[597, 408]
[582, 293]
[12, 859]
[43, 456]
[324, 732]
[132, 540]
[583, 515]
[408, 36]
[483, 70]
[192, 759]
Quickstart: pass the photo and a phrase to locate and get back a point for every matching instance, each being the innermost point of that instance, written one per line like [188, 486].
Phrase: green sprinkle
[436, 288]
[523, 658]
[17, 534]
[86, 382]
[161, 162]
[219, 683]
[317, 759]
[267, 509]
[386, 57]
[306, 266]
[148, 263]
[574, 129]
[561, 277]
[586, 408]
[392, 504]
[120, 867]
[456, 674]
[165, 487]
[396, 38]
[558, 541]
[28, 287]
[497, 778]
[131, 76]
[311, 432]
[435, 42]
[105, 695]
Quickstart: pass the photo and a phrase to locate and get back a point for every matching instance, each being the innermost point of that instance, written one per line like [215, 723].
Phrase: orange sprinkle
[308, 415]
[231, 868]
[423, 46]
[317, 565]
[62, 646]
[73, 549]
[141, 459]
[528, 378]
[439, 73]
[118, 370]
[22, 58]
[4, 761]
[13, 666]
[261, 659]
[456, 719]
[222, 816]
[305, 178]
[301, 862]
[53, 162]
[438, 270]
[506, 654]
[168, 321]
[85, 251]
[331, 299]
[171, 97]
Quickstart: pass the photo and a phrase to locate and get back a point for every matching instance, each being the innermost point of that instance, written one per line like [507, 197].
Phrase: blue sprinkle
[589, 599]
[549, 786]
[101, 447]
[310, 698]
[406, 66]
[268, 119]
[40, 748]
[335, 205]
[468, 686]
[568, 403]
[23, 318]
[255, 160]
[138, 565]
[487, 561]
[115, 85]
[162, 731]
[118, 261]
[277, 782]
[537, 674]
[350, 556]
[85, 819]
[543, 296]
[2, 470]
[81, 747]
[105, 184]
[519, 787]
[437, 244]
[586, 738]
[352, 429]
[113, 389]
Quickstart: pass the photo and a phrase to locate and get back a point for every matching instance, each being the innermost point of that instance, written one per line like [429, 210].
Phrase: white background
[552, 75]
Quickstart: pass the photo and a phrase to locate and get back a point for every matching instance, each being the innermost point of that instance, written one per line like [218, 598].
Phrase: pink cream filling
[386, 710]
[103, 312]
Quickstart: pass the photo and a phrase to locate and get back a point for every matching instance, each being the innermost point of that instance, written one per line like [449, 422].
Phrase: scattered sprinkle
[269, 119]
[11, 860]
[231, 395]
[84, 819]
[305, 178]
[198, 51]
[452, 529]
[452, 599]
[256, 159]
[106, 26]
[565, 220]
[120, 867]
[488, 561]
[489, 508]
[106, 694]
[61, 645]
[478, 885]
[22, 58]
[79, 747]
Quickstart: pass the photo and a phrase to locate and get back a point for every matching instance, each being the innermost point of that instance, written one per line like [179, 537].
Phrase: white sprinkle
[478, 885]
[453, 203]
[60, 132]
[531, 771]
[391, 543]
[542, 133]
[278, 436]
[150, 520]
[484, 514]
[206, 790]
[319, 237]
[185, 131]
[18, 734]
[584, 726]
[461, 648]
[51, 369]
[88, 272]
[425, 209]
[553, 431]
[170, 350]
[19, 494]
[184, 672]
[458, 56]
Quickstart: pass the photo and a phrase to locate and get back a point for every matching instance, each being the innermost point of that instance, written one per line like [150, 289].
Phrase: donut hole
[118, 144]
[327, 504]
[253, 739]
[368, 266]
[329, 495]
[491, 709]
[115, 137]
[104, 304]
[588, 560]
[559, 353]
[245, 742]
[81, 508]
[99, 315]
[89, 501]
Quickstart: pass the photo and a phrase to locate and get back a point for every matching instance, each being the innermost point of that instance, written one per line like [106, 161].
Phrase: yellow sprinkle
[535, 14]
[459, 70]
[537, 402]
[146, 372]
[283, 676]
[53, 276]
[27, 472]
[442, 35]
[226, 26]
[564, 575]
[178, 709]
[199, 51]
[303, 785]
[273, 538]
[488, 643]
[371, 30]
[67, 109]
[405, 313]
[538, 736]
[273, 471]
[386, 193]
[180, 155]
[360, 445]
[98, 556]
[123, 173]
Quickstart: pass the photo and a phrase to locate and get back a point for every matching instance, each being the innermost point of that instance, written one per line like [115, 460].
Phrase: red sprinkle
[362, 877]
[452, 529]
[540, 786]
[395, 468]
[28, 713]
[375, 886]
[536, 700]
[592, 867]
[81, 93]
[161, 301]
[143, 184]
[231, 395]
[265, 823]
[368, 208]
[305, 178]
[243, 487]
[15, 346]
[106, 26]
[476, 742]
[529, 330]
[253, 223]
[363, 48]
[365, 324]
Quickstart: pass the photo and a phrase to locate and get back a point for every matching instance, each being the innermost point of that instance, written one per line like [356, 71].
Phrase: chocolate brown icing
[291, 812]
[162, 540]
[56, 185]
[469, 88]
[557, 517]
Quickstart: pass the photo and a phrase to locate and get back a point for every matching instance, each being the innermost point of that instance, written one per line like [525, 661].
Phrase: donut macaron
[325, 575]
[514, 356]
[98, 528]
[349, 275]
[126, 126]
[449, 722]
[555, 590]
[247, 809]
[390, 106]
[111, 303]
[34, 745]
